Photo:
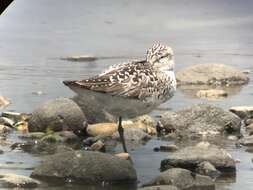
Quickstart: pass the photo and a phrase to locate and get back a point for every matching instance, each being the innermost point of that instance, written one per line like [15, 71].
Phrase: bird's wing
[127, 80]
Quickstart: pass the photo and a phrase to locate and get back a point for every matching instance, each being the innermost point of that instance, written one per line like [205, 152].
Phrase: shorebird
[131, 89]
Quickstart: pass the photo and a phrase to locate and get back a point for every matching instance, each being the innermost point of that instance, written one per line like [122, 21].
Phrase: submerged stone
[17, 181]
[183, 179]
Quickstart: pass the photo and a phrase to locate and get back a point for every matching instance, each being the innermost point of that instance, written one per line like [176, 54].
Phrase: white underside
[114, 106]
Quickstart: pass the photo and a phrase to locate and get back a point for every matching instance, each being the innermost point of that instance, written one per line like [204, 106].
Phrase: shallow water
[35, 34]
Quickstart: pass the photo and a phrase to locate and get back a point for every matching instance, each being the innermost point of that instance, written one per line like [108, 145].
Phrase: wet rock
[15, 116]
[248, 122]
[4, 102]
[193, 90]
[249, 149]
[1, 151]
[211, 94]
[4, 129]
[206, 168]
[232, 138]
[145, 122]
[51, 138]
[57, 115]
[32, 135]
[17, 181]
[86, 167]
[168, 148]
[211, 74]
[81, 58]
[183, 179]
[38, 93]
[98, 146]
[6, 121]
[68, 136]
[159, 187]
[243, 111]
[190, 157]
[21, 126]
[247, 141]
[105, 129]
[133, 134]
[199, 120]
[123, 155]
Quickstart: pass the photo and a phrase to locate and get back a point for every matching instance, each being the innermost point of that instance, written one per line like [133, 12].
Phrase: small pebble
[98, 146]
[123, 155]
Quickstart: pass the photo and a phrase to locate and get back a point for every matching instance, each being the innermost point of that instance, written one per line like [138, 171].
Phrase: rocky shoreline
[75, 150]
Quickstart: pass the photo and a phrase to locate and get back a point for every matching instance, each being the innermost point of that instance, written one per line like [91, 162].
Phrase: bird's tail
[69, 82]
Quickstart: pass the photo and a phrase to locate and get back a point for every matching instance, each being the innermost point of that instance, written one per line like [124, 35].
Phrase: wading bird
[131, 89]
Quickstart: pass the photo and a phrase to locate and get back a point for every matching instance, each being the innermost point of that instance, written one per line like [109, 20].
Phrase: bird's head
[161, 57]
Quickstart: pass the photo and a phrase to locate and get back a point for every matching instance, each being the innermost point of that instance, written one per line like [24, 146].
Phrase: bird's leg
[121, 134]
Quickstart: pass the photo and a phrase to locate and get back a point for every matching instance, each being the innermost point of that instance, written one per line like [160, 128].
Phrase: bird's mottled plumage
[150, 80]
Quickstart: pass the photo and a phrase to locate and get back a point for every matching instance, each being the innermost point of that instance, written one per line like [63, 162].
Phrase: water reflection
[191, 90]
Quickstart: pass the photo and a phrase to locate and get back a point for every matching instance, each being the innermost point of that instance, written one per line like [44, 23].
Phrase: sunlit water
[34, 34]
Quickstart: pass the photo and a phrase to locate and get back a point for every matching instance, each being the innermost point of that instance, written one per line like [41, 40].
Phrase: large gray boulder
[57, 115]
[86, 167]
[183, 179]
[190, 157]
[211, 74]
[199, 120]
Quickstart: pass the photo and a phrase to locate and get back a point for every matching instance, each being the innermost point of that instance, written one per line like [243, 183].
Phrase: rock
[168, 148]
[33, 135]
[4, 102]
[17, 181]
[98, 146]
[1, 151]
[248, 122]
[21, 126]
[211, 74]
[57, 115]
[232, 138]
[6, 121]
[133, 134]
[243, 111]
[86, 167]
[15, 116]
[105, 129]
[51, 138]
[123, 155]
[211, 94]
[68, 136]
[247, 141]
[4, 129]
[80, 58]
[190, 157]
[159, 187]
[206, 168]
[249, 149]
[199, 120]
[38, 93]
[145, 122]
[193, 90]
[183, 179]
